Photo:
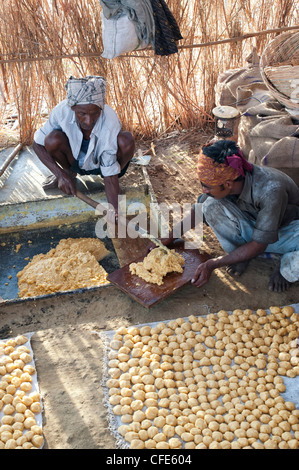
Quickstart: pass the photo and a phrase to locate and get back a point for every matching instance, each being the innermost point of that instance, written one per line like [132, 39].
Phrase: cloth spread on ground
[167, 385]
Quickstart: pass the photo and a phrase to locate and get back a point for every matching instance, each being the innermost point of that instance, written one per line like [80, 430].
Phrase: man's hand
[112, 216]
[66, 183]
[240, 255]
[203, 273]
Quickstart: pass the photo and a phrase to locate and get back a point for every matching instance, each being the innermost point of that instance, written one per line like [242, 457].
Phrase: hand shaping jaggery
[157, 264]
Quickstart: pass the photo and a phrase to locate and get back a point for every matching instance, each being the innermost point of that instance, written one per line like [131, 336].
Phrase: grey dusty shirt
[271, 198]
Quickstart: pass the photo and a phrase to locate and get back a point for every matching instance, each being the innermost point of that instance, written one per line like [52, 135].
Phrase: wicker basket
[280, 69]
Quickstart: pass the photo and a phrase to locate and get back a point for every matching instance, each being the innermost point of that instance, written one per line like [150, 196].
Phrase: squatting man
[251, 209]
[83, 136]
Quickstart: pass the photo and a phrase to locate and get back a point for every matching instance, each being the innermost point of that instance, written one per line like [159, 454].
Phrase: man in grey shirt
[251, 209]
[83, 136]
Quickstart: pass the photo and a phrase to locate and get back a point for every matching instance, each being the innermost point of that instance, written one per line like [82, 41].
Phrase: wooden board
[127, 249]
[148, 294]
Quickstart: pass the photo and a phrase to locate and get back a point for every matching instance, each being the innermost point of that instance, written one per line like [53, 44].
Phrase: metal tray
[39, 225]
[33, 242]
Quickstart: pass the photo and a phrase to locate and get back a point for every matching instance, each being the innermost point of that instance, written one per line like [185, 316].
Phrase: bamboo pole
[240, 38]
[183, 46]
[10, 158]
[54, 40]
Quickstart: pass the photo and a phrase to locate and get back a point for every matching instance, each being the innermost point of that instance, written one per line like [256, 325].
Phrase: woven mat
[290, 394]
[32, 386]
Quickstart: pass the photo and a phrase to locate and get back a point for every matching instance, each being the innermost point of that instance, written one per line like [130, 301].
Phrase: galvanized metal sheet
[18, 248]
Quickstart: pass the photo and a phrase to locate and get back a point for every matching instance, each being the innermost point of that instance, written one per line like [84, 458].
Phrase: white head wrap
[87, 90]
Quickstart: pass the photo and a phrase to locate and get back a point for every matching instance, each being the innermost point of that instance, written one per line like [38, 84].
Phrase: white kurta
[102, 147]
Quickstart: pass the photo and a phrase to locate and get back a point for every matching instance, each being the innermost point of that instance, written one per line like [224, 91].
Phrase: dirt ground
[67, 346]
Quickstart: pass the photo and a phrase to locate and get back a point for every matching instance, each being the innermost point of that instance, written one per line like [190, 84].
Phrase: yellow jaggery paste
[92, 245]
[73, 264]
[157, 264]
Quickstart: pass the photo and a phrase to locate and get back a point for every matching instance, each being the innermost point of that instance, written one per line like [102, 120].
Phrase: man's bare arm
[242, 253]
[112, 191]
[65, 182]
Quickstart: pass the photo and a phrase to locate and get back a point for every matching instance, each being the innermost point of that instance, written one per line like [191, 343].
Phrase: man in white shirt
[83, 136]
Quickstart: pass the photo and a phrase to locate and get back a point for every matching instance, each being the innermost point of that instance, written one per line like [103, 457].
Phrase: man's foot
[51, 182]
[277, 283]
[237, 269]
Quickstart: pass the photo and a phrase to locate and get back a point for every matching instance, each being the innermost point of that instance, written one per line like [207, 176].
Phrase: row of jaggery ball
[19, 403]
[204, 382]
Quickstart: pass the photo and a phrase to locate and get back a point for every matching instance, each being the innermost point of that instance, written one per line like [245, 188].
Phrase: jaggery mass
[157, 264]
[92, 245]
[73, 264]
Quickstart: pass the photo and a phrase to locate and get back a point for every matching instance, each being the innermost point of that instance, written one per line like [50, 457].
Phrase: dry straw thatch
[43, 42]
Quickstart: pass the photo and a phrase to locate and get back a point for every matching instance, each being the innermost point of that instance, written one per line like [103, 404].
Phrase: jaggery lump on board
[157, 264]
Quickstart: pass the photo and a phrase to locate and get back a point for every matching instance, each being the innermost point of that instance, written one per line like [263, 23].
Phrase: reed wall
[43, 42]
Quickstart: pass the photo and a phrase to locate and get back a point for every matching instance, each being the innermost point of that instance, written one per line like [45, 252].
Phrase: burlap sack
[275, 142]
[242, 88]
[267, 133]
[270, 110]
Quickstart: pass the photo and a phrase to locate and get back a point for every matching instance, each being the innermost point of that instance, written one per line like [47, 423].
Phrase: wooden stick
[239, 38]
[10, 158]
[183, 46]
[89, 201]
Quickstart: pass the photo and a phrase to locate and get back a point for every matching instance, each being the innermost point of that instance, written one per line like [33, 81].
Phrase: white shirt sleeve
[112, 169]
[51, 124]
[108, 142]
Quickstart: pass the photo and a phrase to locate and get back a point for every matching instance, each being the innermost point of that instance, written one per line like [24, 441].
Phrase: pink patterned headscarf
[212, 173]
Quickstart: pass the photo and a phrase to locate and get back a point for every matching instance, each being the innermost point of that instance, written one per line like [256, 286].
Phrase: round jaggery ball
[288, 311]
[8, 409]
[36, 407]
[29, 422]
[175, 443]
[21, 339]
[36, 429]
[28, 368]
[10, 444]
[25, 386]
[5, 435]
